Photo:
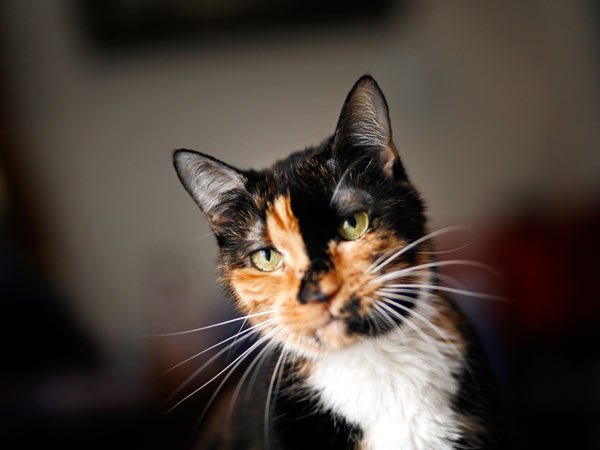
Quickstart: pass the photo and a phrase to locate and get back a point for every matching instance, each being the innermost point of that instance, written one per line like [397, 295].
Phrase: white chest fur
[397, 388]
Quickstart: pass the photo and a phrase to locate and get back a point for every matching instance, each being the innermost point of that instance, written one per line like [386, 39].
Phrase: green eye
[267, 260]
[354, 227]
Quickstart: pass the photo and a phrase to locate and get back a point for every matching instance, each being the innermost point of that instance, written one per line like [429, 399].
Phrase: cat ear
[210, 183]
[364, 123]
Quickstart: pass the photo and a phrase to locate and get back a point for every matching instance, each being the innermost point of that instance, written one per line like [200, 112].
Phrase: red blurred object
[549, 263]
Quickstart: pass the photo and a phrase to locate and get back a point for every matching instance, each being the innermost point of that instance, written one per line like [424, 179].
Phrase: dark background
[496, 113]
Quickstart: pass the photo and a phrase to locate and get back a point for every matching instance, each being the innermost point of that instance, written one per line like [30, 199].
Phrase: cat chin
[330, 337]
[334, 336]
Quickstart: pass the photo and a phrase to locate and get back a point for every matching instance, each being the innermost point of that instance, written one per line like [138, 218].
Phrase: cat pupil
[267, 254]
[351, 221]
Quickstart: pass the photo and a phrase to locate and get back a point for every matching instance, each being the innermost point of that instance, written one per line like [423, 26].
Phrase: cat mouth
[334, 333]
[319, 327]
[336, 325]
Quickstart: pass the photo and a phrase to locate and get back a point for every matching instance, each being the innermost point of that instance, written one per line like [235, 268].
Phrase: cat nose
[311, 294]
[319, 290]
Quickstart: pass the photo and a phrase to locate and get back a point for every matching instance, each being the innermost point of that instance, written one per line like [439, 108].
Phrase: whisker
[388, 288]
[235, 336]
[451, 345]
[436, 329]
[213, 359]
[379, 265]
[224, 380]
[447, 279]
[241, 357]
[394, 288]
[375, 305]
[383, 314]
[409, 270]
[268, 402]
[415, 328]
[201, 238]
[339, 184]
[261, 356]
[239, 330]
[346, 172]
[285, 361]
[372, 319]
[441, 277]
[252, 381]
[452, 250]
[179, 333]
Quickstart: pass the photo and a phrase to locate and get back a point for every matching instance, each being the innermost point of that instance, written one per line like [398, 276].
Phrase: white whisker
[259, 357]
[441, 277]
[201, 238]
[285, 361]
[235, 336]
[254, 376]
[452, 250]
[383, 314]
[409, 270]
[339, 184]
[224, 380]
[386, 298]
[453, 346]
[269, 393]
[395, 287]
[388, 288]
[376, 266]
[214, 358]
[239, 330]
[448, 279]
[374, 318]
[346, 172]
[405, 320]
[241, 357]
[179, 333]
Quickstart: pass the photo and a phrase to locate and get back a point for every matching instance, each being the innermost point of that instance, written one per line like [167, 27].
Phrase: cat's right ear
[364, 124]
[210, 182]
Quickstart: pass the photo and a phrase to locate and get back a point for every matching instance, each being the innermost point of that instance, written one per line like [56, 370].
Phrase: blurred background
[495, 109]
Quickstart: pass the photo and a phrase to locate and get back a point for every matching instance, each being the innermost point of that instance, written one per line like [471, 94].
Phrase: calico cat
[327, 254]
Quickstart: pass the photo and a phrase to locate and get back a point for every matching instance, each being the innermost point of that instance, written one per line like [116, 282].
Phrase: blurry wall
[494, 106]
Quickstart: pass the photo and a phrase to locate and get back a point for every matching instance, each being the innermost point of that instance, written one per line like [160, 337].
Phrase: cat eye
[267, 260]
[353, 227]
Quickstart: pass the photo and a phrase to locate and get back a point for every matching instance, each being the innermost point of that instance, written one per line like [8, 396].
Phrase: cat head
[306, 241]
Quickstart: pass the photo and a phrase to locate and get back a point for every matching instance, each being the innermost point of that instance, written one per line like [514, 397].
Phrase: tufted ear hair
[364, 127]
[210, 182]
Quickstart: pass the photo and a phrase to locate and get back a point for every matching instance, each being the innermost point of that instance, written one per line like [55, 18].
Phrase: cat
[327, 254]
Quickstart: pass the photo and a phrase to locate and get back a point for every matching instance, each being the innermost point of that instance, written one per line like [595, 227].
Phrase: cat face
[305, 242]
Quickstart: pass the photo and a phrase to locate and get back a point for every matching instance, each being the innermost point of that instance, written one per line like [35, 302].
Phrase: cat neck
[397, 388]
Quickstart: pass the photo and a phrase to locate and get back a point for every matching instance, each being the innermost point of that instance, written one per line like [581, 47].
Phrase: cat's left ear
[364, 127]
[211, 183]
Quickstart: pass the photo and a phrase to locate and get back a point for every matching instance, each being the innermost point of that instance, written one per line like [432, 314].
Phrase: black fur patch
[300, 423]
[478, 396]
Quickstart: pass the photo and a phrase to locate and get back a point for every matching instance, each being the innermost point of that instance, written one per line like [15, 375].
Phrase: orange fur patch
[283, 231]
[261, 291]
[351, 260]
